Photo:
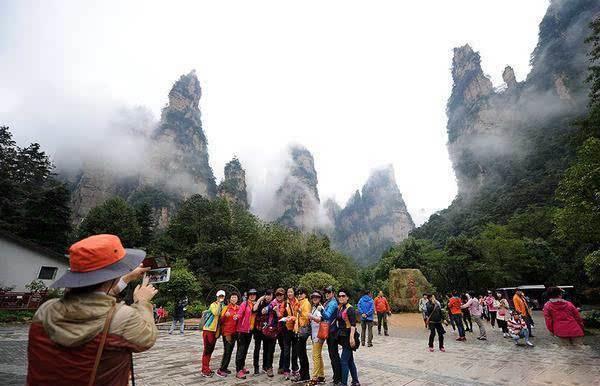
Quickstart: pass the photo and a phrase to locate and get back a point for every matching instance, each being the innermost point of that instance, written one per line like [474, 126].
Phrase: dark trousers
[258, 341]
[382, 319]
[290, 351]
[468, 321]
[268, 352]
[367, 331]
[334, 357]
[529, 323]
[303, 358]
[348, 365]
[281, 343]
[243, 342]
[228, 345]
[436, 327]
[457, 318]
[493, 317]
[503, 325]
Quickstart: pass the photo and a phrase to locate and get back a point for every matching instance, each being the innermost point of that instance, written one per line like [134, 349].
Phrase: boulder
[406, 286]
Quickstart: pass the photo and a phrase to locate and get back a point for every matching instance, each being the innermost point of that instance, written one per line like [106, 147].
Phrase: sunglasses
[278, 295]
[342, 296]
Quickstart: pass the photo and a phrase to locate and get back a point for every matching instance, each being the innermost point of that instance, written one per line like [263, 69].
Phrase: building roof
[34, 246]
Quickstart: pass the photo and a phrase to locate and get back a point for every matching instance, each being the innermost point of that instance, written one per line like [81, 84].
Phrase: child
[518, 329]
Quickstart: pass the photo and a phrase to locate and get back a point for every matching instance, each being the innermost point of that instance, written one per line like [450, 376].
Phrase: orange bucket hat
[97, 259]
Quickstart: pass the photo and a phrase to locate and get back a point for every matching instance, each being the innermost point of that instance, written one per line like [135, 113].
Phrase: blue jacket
[330, 313]
[366, 306]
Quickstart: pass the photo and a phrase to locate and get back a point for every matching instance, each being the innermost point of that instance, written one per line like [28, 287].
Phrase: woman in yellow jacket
[302, 330]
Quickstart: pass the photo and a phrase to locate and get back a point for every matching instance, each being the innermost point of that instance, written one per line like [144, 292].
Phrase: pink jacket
[563, 319]
[489, 301]
[244, 316]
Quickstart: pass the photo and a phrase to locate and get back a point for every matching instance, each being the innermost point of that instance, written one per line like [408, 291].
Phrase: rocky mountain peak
[233, 186]
[185, 93]
[470, 83]
[509, 77]
[298, 195]
[373, 220]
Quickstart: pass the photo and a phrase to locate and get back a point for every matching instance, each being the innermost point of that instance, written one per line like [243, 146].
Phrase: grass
[15, 316]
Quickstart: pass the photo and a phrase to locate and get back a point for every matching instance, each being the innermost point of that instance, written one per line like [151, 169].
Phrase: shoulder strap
[109, 317]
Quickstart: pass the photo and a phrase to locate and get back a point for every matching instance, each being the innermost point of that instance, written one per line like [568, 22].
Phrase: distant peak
[186, 92]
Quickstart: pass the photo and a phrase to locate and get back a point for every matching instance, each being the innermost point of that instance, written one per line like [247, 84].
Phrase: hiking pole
[132, 373]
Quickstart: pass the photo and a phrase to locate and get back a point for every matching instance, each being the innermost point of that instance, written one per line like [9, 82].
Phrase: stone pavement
[400, 359]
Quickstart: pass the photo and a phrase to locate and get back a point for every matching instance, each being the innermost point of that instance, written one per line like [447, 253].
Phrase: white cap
[220, 293]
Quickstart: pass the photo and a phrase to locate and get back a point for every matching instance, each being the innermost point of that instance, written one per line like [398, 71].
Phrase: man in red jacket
[86, 337]
[562, 318]
[382, 307]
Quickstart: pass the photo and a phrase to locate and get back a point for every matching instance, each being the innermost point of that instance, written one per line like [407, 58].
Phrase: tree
[115, 217]
[145, 219]
[591, 264]
[578, 219]
[317, 281]
[33, 204]
[181, 284]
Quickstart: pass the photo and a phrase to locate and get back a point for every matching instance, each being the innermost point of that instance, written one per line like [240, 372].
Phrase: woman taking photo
[346, 322]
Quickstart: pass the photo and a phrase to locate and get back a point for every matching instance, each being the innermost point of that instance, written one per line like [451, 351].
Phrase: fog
[360, 86]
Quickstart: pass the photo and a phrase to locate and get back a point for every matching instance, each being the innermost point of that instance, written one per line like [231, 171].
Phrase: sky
[361, 84]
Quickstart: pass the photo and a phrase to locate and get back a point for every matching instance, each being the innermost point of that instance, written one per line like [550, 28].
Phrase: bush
[15, 316]
[316, 281]
[592, 319]
[194, 310]
[591, 264]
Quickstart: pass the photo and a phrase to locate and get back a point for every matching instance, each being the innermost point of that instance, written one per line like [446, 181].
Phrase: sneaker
[320, 380]
[386, 334]
[256, 371]
[227, 371]
[270, 373]
[246, 371]
[528, 343]
[241, 375]
[280, 371]
[430, 349]
[355, 384]
[516, 342]
[442, 349]
[295, 373]
[363, 344]
[286, 375]
[207, 375]
[482, 338]
[221, 373]
[370, 345]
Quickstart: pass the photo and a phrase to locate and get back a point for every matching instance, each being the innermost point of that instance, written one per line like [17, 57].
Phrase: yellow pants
[318, 367]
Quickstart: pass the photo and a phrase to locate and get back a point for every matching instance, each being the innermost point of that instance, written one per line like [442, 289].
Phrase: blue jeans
[174, 323]
[457, 318]
[348, 366]
[523, 334]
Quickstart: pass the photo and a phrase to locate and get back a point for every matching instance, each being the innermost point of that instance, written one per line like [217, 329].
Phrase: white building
[22, 261]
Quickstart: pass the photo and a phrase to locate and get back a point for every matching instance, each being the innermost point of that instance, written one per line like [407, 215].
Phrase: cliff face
[176, 166]
[233, 186]
[509, 146]
[297, 198]
[488, 128]
[373, 221]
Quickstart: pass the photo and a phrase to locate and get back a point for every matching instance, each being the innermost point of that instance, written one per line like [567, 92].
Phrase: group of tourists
[288, 319]
[461, 310]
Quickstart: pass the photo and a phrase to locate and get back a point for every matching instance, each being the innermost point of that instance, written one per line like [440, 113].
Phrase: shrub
[194, 310]
[592, 319]
[15, 316]
[316, 281]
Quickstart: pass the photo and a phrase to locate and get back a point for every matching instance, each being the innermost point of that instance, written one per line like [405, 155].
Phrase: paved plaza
[400, 359]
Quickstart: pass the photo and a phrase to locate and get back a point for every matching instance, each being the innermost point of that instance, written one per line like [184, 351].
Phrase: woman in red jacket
[229, 317]
[562, 318]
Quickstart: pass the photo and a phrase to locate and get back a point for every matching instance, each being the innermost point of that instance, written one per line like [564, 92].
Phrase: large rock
[406, 287]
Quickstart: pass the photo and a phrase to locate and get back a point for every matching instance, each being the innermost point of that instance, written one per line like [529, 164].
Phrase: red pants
[210, 340]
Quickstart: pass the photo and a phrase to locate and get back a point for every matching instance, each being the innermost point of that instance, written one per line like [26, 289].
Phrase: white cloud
[360, 84]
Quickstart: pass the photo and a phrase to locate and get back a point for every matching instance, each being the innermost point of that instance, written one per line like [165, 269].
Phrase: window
[47, 273]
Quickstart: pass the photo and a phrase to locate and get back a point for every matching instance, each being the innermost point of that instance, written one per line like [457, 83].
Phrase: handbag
[109, 317]
[356, 341]
[304, 332]
[323, 332]
[270, 332]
